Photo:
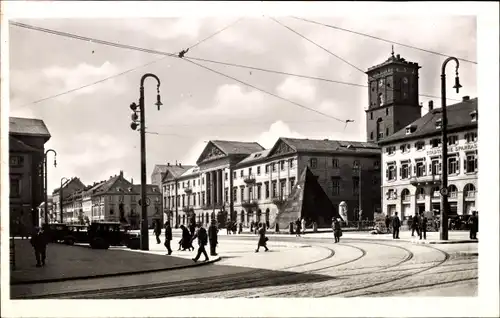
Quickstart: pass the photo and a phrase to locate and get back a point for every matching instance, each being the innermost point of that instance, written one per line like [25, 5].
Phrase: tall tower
[393, 97]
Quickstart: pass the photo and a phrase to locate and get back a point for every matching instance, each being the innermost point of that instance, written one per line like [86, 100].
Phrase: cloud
[297, 89]
[194, 153]
[278, 129]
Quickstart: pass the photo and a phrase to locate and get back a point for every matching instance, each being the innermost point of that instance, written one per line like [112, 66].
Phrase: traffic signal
[134, 117]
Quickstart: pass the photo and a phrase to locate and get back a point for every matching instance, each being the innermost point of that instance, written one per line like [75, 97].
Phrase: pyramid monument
[307, 200]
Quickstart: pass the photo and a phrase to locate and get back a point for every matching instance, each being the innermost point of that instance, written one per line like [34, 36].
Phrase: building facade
[116, 200]
[27, 138]
[412, 163]
[244, 182]
[68, 188]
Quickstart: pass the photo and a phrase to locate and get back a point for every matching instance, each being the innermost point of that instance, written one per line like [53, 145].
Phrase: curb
[467, 254]
[62, 279]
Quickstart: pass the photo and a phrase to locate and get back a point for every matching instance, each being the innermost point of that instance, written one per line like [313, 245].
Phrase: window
[335, 186]
[376, 164]
[274, 167]
[183, 183]
[313, 163]
[371, 135]
[242, 193]
[355, 186]
[199, 198]
[266, 184]
[380, 135]
[203, 201]
[225, 175]
[452, 140]
[420, 169]
[194, 199]
[420, 145]
[371, 117]
[420, 194]
[258, 170]
[335, 163]
[267, 169]
[453, 167]
[404, 148]
[391, 194]
[235, 194]
[16, 161]
[241, 173]
[282, 164]
[387, 131]
[282, 188]
[470, 163]
[15, 187]
[405, 170]
[249, 171]
[275, 191]
[291, 163]
[250, 193]
[470, 191]
[387, 111]
[259, 190]
[234, 174]
[355, 164]
[405, 195]
[436, 167]
[453, 191]
[436, 142]
[390, 150]
[390, 173]
[226, 195]
[471, 137]
[292, 183]
[183, 200]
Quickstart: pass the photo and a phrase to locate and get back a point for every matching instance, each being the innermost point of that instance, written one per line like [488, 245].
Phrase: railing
[212, 206]
[453, 194]
[249, 179]
[249, 203]
[433, 178]
[278, 201]
[470, 194]
[186, 209]
[420, 196]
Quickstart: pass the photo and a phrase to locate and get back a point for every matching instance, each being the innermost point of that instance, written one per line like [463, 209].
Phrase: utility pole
[144, 204]
[45, 182]
[443, 235]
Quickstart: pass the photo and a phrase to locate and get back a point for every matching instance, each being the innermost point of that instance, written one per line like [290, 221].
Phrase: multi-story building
[68, 188]
[412, 162]
[115, 199]
[249, 183]
[27, 137]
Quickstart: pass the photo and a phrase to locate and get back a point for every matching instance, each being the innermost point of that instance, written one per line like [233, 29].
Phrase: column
[221, 186]
[207, 187]
[212, 187]
[217, 186]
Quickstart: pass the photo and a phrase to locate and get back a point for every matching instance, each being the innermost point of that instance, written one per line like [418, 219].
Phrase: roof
[16, 145]
[194, 170]
[330, 146]
[237, 147]
[149, 188]
[255, 157]
[458, 118]
[393, 59]
[28, 127]
[67, 183]
[176, 171]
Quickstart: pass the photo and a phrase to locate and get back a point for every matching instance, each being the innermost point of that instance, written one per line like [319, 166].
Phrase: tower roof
[394, 59]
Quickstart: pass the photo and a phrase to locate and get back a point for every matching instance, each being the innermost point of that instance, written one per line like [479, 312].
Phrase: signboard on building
[452, 149]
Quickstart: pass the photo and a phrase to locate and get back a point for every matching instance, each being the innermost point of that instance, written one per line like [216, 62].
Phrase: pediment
[281, 148]
[211, 152]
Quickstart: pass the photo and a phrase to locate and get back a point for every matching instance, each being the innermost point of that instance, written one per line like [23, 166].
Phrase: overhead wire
[382, 39]
[113, 44]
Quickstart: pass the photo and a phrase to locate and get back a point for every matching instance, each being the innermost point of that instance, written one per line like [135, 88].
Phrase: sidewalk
[73, 262]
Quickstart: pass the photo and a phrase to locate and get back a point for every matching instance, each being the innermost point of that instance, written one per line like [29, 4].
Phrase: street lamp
[45, 180]
[61, 198]
[133, 106]
[443, 235]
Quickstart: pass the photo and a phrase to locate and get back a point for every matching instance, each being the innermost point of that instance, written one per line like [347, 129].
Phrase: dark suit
[212, 236]
[168, 238]
[415, 225]
[423, 227]
[396, 224]
[39, 243]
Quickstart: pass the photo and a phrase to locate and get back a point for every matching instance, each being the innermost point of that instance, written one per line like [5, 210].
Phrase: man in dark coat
[396, 224]
[168, 237]
[202, 236]
[415, 225]
[157, 231]
[423, 225]
[212, 236]
[388, 223]
[474, 226]
[39, 243]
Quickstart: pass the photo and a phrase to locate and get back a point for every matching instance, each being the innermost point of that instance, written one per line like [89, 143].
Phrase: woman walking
[262, 238]
[337, 231]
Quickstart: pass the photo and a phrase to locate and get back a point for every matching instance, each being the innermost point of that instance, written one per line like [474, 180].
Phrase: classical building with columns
[243, 182]
[411, 161]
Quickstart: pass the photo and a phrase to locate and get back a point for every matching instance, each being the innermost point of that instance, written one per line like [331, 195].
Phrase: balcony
[216, 206]
[279, 201]
[425, 180]
[249, 203]
[188, 190]
[249, 179]
[470, 195]
[187, 209]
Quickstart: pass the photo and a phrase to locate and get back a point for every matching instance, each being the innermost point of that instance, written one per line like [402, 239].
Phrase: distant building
[115, 199]
[243, 182]
[68, 188]
[412, 162]
[27, 137]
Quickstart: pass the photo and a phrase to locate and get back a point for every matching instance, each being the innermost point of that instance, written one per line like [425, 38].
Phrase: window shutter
[475, 164]
[465, 164]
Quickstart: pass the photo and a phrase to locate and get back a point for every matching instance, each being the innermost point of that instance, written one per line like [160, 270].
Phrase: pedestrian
[303, 226]
[186, 242]
[262, 238]
[39, 243]
[228, 228]
[474, 226]
[388, 223]
[423, 225]
[192, 228]
[337, 230]
[415, 225]
[251, 227]
[297, 227]
[201, 235]
[396, 224]
[212, 236]
[240, 228]
[233, 227]
[168, 237]
[157, 230]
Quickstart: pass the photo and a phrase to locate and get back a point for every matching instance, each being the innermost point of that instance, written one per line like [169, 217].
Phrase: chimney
[180, 164]
[431, 105]
[132, 180]
[121, 173]
[168, 164]
[176, 163]
[465, 98]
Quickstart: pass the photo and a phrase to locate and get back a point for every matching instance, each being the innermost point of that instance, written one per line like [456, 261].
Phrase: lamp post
[45, 180]
[61, 198]
[443, 234]
[133, 106]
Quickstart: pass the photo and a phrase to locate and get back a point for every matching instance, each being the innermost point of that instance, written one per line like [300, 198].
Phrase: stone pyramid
[307, 200]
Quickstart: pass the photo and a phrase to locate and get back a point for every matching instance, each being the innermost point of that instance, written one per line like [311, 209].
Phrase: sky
[90, 127]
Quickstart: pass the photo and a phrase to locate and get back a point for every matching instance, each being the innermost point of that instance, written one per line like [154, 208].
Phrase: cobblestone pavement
[293, 268]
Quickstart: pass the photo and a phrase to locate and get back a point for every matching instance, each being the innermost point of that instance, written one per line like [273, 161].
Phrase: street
[294, 267]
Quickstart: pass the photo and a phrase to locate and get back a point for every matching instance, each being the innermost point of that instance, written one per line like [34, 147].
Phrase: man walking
[212, 236]
[415, 225]
[168, 237]
[202, 236]
[157, 231]
[337, 230]
[39, 243]
[297, 227]
[423, 225]
[388, 223]
[396, 224]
